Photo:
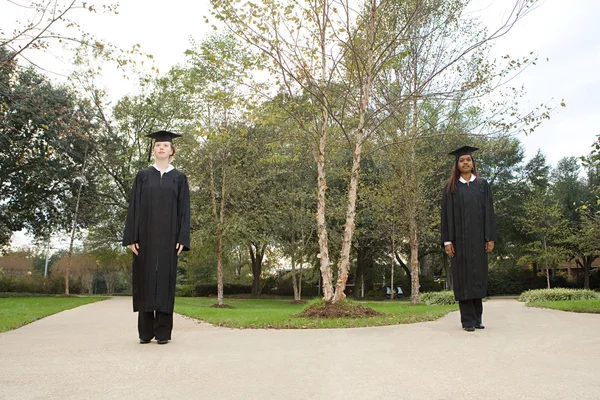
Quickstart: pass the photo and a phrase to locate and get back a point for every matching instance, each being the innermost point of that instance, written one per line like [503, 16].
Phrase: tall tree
[310, 46]
[44, 133]
[544, 220]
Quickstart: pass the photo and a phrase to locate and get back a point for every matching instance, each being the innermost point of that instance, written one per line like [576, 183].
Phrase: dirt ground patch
[297, 302]
[221, 306]
[338, 310]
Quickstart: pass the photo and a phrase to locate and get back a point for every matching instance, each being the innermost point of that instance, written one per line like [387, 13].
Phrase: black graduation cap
[463, 151]
[161, 136]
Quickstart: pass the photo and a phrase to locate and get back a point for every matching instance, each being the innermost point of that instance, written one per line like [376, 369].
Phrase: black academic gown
[468, 221]
[158, 218]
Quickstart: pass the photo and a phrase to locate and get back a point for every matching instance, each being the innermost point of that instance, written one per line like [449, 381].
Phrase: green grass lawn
[581, 306]
[278, 314]
[18, 311]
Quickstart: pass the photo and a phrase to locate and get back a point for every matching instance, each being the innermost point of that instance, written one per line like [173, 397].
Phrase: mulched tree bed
[297, 302]
[221, 306]
[338, 310]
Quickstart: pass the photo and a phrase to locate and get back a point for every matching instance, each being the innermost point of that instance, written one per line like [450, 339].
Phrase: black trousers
[157, 326]
[470, 312]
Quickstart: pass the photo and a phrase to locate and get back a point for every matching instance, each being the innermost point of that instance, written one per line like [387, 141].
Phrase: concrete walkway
[92, 352]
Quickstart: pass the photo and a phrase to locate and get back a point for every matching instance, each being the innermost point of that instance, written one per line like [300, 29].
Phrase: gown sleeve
[131, 232]
[447, 223]
[490, 217]
[183, 214]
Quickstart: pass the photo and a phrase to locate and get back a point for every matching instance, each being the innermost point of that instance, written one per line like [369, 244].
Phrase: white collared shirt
[169, 168]
[470, 180]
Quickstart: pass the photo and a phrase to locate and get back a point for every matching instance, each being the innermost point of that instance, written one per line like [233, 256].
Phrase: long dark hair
[455, 176]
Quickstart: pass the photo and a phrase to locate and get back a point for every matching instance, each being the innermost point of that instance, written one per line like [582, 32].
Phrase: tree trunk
[392, 268]
[294, 282]
[218, 218]
[360, 272]
[547, 267]
[403, 265]
[413, 232]
[586, 271]
[326, 272]
[74, 225]
[344, 262]
[414, 262]
[257, 252]
[300, 277]
[365, 91]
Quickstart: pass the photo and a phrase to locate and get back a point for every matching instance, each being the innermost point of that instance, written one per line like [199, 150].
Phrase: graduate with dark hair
[468, 234]
[157, 230]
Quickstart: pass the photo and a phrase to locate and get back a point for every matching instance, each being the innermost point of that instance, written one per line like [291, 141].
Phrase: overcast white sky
[565, 32]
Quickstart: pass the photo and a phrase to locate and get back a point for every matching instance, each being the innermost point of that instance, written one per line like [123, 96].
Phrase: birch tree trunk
[74, 225]
[300, 278]
[326, 272]
[392, 269]
[294, 282]
[218, 219]
[365, 91]
[547, 267]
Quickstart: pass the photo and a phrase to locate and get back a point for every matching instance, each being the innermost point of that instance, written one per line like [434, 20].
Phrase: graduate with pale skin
[163, 151]
[157, 230]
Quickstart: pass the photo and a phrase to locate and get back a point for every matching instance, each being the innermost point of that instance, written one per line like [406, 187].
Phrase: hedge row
[513, 279]
[38, 284]
[559, 294]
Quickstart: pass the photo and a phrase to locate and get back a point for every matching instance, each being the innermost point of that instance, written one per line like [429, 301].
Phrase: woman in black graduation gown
[468, 233]
[157, 230]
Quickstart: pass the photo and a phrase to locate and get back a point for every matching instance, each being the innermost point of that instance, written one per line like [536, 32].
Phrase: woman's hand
[179, 248]
[450, 250]
[489, 246]
[135, 247]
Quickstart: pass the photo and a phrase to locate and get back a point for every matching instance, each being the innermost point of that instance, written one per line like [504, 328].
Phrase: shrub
[559, 294]
[438, 298]
[428, 284]
[374, 294]
[508, 278]
[54, 284]
[184, 290]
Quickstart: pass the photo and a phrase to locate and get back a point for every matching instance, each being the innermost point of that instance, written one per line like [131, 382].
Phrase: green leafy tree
[45, 132]
[545, 221]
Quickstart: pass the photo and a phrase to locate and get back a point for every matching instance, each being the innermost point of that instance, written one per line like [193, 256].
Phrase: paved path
[92, 352]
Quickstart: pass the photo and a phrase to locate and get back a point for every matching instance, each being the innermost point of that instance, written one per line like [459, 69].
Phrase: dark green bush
[184, 290]
[508, 278]
[53, 284]
[374, 294]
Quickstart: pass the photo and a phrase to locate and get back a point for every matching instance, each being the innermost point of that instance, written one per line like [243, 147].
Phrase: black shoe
[162, 341]
[479, 326]
[469, 328]
[142, 341]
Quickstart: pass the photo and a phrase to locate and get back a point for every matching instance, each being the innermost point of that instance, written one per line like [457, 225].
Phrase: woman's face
[465, 164]
[162, 150]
